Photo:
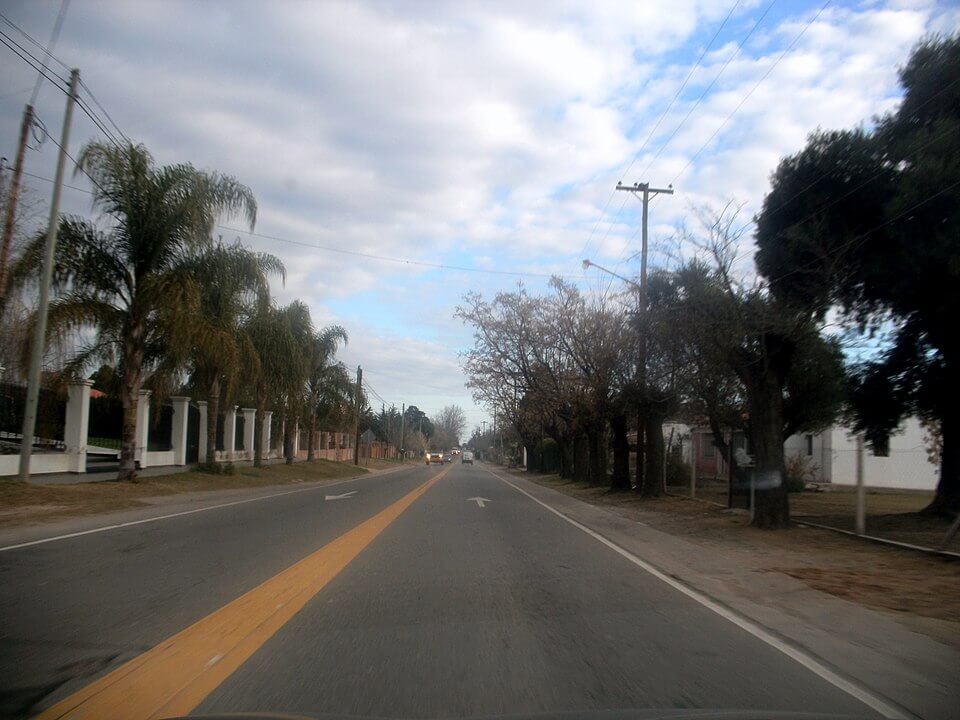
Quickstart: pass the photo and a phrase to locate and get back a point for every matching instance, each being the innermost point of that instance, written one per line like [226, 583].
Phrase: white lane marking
[215, 659]
[131, 523]
[481, 502]
[808, 661]
[344, 496]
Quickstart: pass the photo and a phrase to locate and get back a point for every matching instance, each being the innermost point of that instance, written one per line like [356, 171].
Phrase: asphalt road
[435, 607]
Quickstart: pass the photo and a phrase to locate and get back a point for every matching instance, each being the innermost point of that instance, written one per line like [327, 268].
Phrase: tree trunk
[289, 427]
[564, 457]
[653, 435]
[581, 458]
[258, 442]
[620, 480]
[946, 501]
[311, 450]
[638, 471]
[596, 437]
[765, 400]
[130, 398]
[533, 456]
[213, 411]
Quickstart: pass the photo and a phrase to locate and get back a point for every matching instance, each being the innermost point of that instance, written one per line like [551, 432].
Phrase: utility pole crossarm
[645, 188]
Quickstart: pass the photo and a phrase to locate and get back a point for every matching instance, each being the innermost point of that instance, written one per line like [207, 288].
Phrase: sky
[382, 139]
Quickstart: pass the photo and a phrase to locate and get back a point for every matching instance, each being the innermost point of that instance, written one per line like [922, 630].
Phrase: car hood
[645, 714]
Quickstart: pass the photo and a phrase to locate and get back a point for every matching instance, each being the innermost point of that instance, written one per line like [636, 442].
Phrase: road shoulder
[883, 653]
[171, 504]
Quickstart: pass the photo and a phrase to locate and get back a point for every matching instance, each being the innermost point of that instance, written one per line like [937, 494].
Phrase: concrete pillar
[178, 435]
[202, 440]
[230, 432]
[265, 447]
[143, 427]
[249, 425]
[77, 424]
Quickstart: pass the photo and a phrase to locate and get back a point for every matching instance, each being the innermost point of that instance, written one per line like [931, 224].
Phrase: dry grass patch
[22, 503]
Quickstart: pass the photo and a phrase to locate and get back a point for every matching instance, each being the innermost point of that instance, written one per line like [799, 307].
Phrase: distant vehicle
[448, 458]
[434, 457]
[467, 457]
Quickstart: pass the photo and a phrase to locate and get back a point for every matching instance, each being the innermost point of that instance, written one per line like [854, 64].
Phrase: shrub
[800, 471]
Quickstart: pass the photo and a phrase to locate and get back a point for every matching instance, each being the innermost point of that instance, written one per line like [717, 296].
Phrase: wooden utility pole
[403, 411]
[46, 275]
[861, 518]
[643, 192]
[356, 423]
[13, 198]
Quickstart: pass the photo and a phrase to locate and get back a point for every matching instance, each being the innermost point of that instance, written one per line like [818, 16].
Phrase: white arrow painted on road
[339, 497]
[481, 502]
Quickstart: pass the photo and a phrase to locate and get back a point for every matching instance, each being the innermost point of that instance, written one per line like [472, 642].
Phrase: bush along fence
[79, 427]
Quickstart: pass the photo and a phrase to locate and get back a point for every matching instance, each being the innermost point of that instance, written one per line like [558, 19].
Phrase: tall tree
[788, 372]
[451, 421]
[870, 222]
[233, 282]
[127, 281]
[325, 377]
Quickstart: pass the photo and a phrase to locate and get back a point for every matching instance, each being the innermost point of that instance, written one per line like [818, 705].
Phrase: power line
[686, 117]
[860, 239]
[403, 261]
[342, 251]
[656, 126]
[48, 51]
[709, 87]
[104, 110]
[33, 40]
[756, 85]
[33, 62]
[745, 97]
[44, 72]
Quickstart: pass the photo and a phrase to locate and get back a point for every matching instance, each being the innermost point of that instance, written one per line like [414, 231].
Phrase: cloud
[486, 134]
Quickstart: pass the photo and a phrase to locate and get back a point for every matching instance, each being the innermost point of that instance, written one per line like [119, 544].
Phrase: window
[706, 446]
[809, 444]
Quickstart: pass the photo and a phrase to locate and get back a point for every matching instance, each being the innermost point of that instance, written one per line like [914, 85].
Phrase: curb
[949, 554]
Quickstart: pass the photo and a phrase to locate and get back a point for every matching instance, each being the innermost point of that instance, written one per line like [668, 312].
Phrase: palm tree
[279, 366]
[127, 282]
[324, 374]
[233, 283]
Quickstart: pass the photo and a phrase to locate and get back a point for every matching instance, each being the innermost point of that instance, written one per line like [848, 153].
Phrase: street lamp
[587, 264]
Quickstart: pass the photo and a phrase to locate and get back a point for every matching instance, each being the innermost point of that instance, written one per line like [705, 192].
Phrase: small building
[831, 456]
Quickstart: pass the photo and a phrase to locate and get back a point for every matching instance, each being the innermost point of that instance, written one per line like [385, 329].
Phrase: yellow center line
[174, 677]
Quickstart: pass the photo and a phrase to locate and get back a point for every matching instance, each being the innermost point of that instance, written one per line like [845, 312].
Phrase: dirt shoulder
[889, 579]
[25, 503]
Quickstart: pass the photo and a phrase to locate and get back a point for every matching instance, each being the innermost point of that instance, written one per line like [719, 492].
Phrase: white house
[830, 457]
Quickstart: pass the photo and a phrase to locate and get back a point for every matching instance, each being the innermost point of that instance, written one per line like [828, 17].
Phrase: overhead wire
[44, 72]
[659, 121]
[752, 90]
[743, 101]
[686, 117]
[48, 51]
[327, 248]
[862, 237]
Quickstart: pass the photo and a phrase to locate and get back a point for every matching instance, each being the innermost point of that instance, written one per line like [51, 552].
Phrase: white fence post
[178, 433]
[265, 447]
[77, 424]
[230, 432]
[202, 439]
[249, 425]
[143, 427]
[861, 491]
